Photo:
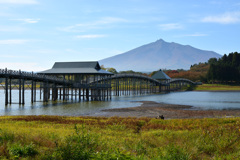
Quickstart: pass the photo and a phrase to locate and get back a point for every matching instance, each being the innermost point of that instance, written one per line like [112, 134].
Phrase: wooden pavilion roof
[90, 67]
[160, 75]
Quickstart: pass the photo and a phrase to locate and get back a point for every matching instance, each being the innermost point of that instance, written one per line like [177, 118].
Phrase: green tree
[225, 69]
[113, 70]
[212, 61]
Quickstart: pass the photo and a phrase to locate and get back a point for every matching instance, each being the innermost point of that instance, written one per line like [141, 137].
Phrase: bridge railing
[31, 75]
[134, 75]
[184, 80]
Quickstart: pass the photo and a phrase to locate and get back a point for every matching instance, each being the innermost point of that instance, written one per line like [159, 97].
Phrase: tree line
[225, 69]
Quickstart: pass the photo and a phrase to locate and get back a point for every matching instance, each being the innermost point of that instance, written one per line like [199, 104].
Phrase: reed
[60, 137]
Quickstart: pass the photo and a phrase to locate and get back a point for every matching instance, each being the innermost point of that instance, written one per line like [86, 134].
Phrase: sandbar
[169, 111]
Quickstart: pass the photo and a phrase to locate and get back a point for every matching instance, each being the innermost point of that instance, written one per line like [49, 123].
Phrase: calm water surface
[199, 100]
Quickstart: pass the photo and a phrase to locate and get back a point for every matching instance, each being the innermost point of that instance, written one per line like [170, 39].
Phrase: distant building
[81, 72]
[161, 76]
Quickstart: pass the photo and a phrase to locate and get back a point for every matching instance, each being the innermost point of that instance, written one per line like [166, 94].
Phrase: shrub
[17, 150]
[174, 153]
[80, 145]
[6, 136]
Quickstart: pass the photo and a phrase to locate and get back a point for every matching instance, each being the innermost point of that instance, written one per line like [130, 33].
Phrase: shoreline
[153, 109]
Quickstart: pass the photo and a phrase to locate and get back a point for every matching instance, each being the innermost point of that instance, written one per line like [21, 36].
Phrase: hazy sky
[36, 33]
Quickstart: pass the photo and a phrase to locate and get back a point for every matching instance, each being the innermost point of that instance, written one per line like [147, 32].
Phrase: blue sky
[36, 33]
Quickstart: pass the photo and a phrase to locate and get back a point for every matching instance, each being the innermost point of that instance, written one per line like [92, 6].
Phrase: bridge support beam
[20, 91]
[45, 92]
[10, 91]
[6, 91]
[87, 94]
[23, 91]
[33, 91]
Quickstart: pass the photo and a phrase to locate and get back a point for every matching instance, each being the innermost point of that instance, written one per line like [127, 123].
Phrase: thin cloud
[13, 41]
[28, 20]
[18, 1]
[93, 25]
[226, 18]
[11, 29]
[90, 36]
[170, 26]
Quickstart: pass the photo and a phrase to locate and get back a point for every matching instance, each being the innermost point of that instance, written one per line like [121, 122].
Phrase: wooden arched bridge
[179, 83]
[20, 79]
[126, 84]
[183, 80]
[94, 87]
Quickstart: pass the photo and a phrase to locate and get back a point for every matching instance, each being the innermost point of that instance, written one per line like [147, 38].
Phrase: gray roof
[160, 75]
[92, 67]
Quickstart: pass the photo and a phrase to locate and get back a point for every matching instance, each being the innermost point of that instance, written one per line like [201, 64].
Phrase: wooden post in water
[72, 93]
[87, 94]
[20, 86]
[83, 94]
[40, 91]
[79, 91]
[53, 92]
[6, 90]
[10, 91]
[23, 90]
[64, 90]
[45, 91]
[60, 93]
[35, 91]
[32, 89]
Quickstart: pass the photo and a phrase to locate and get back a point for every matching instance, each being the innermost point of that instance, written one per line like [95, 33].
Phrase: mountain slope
[159, 54]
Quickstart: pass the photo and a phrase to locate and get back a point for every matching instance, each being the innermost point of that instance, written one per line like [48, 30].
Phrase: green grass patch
[217, 87]
[59, 137]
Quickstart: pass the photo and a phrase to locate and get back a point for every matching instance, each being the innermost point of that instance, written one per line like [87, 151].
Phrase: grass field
[217, 87]
[57, 137]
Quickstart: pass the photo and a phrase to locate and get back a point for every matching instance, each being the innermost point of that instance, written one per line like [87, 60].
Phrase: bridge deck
[97, 89]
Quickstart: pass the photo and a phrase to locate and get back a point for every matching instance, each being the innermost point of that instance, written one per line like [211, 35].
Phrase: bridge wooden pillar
[6, 90]
[140, 86]
[72, 93]
[83, 95]
[32, 90]
[40, 91]
[79, 93]
[60, 93]
[64, 90]
[54, 92]
[87, 94]
[129, 86]
[23, 91]
[20, 87]
[10, 90]
[45, 92]
[75, 94]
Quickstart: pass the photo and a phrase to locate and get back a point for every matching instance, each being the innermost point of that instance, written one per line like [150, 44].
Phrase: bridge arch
[126, 84]
[179, 83]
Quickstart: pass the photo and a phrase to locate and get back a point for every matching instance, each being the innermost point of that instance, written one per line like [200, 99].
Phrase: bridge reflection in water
[97, 88]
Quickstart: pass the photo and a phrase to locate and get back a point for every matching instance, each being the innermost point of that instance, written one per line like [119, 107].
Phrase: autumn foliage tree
[197, 72]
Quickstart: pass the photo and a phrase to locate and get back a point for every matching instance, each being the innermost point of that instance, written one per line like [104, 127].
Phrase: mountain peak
[159, 54]
[160, 41]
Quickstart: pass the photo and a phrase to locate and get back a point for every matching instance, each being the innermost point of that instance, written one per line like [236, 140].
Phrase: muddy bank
[169, 111]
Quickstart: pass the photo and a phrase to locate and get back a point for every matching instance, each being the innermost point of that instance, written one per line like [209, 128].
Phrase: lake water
[199, 100]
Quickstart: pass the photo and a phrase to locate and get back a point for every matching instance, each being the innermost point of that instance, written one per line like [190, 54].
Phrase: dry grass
[57, 137]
